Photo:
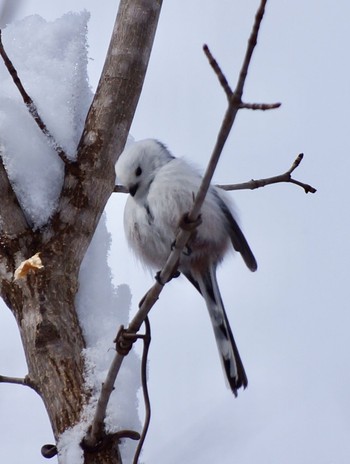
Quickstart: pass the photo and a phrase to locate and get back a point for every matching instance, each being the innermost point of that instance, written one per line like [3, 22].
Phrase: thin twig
[230, 116]
[31, 105]
[296, 163]
[252, 41]
[26, 382]
[146, 304]
[285, 177]
[216, 68]
[260, 106]
[96, 430]
[257, 183]
[146, 342]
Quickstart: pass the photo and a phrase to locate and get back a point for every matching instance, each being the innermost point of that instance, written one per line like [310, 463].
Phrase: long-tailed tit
[162, 189]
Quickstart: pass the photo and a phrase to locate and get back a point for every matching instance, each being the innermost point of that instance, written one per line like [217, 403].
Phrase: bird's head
[137, 166]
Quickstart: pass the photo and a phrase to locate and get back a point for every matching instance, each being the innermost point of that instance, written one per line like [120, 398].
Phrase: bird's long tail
[229, 355]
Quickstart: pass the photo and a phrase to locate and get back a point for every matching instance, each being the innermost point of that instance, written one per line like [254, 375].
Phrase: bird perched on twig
[162, 189]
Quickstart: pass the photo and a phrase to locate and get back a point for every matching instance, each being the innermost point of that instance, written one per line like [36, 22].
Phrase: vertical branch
[235, 101]
[252, 41]
[44, 302]
[146, 304]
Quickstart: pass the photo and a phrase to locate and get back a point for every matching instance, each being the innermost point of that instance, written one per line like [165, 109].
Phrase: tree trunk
[43, 302]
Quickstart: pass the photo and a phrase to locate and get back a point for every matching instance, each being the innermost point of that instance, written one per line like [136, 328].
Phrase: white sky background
[291, 319]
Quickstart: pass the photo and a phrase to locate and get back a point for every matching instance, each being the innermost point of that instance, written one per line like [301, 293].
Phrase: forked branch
[254, 184]
[285, 177]
[183, 236]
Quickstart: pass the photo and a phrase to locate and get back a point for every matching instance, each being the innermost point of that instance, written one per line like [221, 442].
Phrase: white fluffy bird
[162, 189]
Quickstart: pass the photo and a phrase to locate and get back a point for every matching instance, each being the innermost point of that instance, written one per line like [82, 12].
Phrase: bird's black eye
[138, 171]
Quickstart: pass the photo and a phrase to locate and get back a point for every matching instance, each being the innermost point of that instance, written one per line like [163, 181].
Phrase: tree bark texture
[43, 303]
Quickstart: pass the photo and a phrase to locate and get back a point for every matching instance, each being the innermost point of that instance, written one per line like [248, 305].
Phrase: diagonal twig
[31, 105]
[96, 430]
[233, 107]
[237, 94]
[216, 68]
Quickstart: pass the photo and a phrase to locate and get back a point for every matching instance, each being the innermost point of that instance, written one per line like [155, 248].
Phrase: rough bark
[44, 302]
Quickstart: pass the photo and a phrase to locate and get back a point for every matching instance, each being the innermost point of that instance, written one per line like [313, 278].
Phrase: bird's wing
[238, 240]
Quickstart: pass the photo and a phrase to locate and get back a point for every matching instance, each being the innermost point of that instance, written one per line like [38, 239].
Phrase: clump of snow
[51, 60]
[69, 449]
[101, 310]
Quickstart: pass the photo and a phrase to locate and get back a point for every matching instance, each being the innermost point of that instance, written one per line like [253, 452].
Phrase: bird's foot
[189, 224]
[174, 275]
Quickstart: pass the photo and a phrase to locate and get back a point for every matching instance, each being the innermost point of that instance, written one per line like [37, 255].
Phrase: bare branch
[227, 89]
[260, 106]
[220, 75]
[308, 188]
[252, 41]
[230, 116]
[26, 382]
[296, 163]
[14, 380]
[31, 105]
[144, 361]
[182, 237]
[285, 177]
[254, 184]
[95, 432]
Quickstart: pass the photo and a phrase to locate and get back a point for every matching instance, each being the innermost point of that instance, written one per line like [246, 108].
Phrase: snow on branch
[31, 105]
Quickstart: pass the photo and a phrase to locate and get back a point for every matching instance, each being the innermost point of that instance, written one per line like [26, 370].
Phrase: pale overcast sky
[291, 319]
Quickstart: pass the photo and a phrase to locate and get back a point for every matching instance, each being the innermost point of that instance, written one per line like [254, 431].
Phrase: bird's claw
[187, 251]
[174, 275]
[189, 224]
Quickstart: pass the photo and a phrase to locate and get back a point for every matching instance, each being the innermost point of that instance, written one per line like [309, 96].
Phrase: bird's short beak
[133, 189]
